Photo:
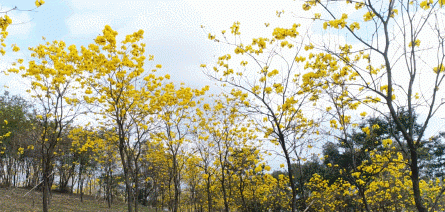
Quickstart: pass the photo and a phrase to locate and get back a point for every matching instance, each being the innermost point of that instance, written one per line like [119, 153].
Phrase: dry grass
[14, 199]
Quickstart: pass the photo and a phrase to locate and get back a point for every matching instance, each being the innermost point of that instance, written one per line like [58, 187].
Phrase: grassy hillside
[14, 199]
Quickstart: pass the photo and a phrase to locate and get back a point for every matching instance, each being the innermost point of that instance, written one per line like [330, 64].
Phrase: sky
[173, 32]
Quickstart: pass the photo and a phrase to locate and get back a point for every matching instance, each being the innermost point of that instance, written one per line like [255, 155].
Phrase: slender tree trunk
[80, 181]
[289, 170]
[73, 166]
[81, 190]
[45, 191]
[9, 172]
[163, 197]
[90, 182]
[136, 185]
[223, 186]
[46, 180]
[111, 186]
[176, 184]
[209, 196]
[15, 174]
[241, 189]
[415, 180]
[126, 176]
[108, 189]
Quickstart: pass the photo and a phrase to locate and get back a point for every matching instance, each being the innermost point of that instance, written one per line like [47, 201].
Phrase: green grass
[14, 200]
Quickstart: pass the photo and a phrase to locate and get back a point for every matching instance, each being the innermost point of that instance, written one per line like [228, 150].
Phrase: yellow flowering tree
[157, 174]
[221, 128]
[121, 91]
[84, 148]
[385, 182]
[140, 133]
[176, 107]
[372, 65]
[265, 76]
[252, 188]
[204, 148]
[53, 77]
[192, 178]
[107, 157]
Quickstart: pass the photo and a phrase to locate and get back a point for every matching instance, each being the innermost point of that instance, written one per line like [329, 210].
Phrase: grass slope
[14, 200]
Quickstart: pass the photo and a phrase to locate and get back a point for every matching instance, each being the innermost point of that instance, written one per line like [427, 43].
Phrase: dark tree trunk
[223, 186]
[80, 182]
[176, 184]
[209, 196]
[46, 179]
[108, 186]
[289, 170]
[136, 185]
[125, 165]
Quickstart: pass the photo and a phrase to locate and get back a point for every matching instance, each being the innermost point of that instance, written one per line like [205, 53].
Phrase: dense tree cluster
[351, 132]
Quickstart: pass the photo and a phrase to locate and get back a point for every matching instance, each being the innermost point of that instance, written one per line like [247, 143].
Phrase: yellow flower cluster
[426, 4]
[282, 33]
[439, 69]
[338, 23]
[368, 16]
[39, 3]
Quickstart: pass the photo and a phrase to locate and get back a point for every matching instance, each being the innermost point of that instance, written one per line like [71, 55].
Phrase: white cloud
[13, 83]
[21, 23]
[81, 24]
